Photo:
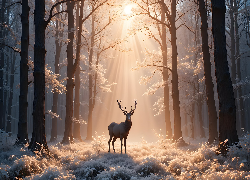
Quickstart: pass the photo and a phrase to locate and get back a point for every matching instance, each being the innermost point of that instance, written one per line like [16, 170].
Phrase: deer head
[127, 114]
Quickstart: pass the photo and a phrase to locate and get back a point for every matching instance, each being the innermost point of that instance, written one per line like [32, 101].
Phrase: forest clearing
[159, 160]
[132, 89]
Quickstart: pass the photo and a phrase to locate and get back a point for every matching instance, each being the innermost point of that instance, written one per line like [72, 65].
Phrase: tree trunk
[227, 108]
[232, 48]
[165, 76]
[6, 81]
[68, 136]
[192, 120]
[55, 93]
[22, 135]
[5, 86]
[77, 124]
[212, 114]
[237, 55]
[2, 65]
[89, 125]
[12, 71]
[38, 140]
[202, 130]
[175, 90]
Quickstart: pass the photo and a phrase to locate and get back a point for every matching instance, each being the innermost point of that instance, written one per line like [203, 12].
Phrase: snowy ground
[159, 160]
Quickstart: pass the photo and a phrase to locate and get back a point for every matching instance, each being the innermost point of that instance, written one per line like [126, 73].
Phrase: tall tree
[22, 135]
[165, 74]
[227, 108]
[5, 84]
[238, 70]
[12, 71]
[58, 35]
[232, 47]
[76, 132]
[38, 140]
[212, 114]
[91, 107]
[2, 12]
[175, 90]
[171, 17]
[68, 136]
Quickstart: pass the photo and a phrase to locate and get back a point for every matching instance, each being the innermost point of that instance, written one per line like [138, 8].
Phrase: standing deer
[121, 130]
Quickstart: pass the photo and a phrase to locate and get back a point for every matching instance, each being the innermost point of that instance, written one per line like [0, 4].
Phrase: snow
[158, 160]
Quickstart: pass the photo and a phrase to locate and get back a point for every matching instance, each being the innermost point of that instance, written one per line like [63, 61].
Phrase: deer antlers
[125, 112]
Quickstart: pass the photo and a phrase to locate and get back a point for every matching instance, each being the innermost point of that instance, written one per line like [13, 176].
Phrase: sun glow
[128, 9]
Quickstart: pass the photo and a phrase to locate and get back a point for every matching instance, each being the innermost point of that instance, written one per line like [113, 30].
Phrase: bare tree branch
[14, 3]
[94, 10]
[183, 24]
[52, 8]
[13, 48]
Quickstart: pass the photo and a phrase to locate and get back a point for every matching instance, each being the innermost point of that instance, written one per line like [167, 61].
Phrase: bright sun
[128, 9]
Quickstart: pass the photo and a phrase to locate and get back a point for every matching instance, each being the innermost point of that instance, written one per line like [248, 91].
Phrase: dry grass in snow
[159, 160]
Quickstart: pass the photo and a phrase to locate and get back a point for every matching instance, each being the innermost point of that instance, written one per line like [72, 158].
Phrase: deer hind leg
[109, 142]
[113, 142]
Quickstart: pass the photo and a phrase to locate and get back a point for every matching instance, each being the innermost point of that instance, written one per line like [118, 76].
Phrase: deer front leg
[113, 142]
[125, 144]
[121, 145]
[109, 143]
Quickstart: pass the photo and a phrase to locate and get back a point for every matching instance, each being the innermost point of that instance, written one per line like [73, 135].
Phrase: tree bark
[175, 90]
[227, 108]
[232, 48]
[2, 126]
[89, 125]
[38, 140]
[5, 85]
[55, 93]
[192, 118]
[237, 55]
[202, 130]
[12, 71]
[165, 75]
[22, 135]
[77, 124]
[68, 136]
[212, 114]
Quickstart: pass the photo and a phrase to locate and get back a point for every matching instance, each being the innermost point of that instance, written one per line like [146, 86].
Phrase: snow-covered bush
[239, 155]
[90, 169]
[26, 165]
[54, 172]
[99, 143]
[150, 166]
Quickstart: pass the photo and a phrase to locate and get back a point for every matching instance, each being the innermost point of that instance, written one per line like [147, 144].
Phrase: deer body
[120, 130]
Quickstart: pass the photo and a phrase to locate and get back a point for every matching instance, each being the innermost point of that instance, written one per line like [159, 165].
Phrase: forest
[124, 89]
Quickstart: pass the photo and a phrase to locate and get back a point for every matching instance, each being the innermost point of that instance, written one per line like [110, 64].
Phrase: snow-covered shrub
[116, 173]
[121, 173]
[90, 169]
[3, 172]
[239, 155]
[99, 143]
[27, 165]
[150, 166]
[53, 172]
[175, 167]
[203, 153]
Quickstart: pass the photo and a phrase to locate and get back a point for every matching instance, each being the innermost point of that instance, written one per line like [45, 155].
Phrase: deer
[121, 130]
